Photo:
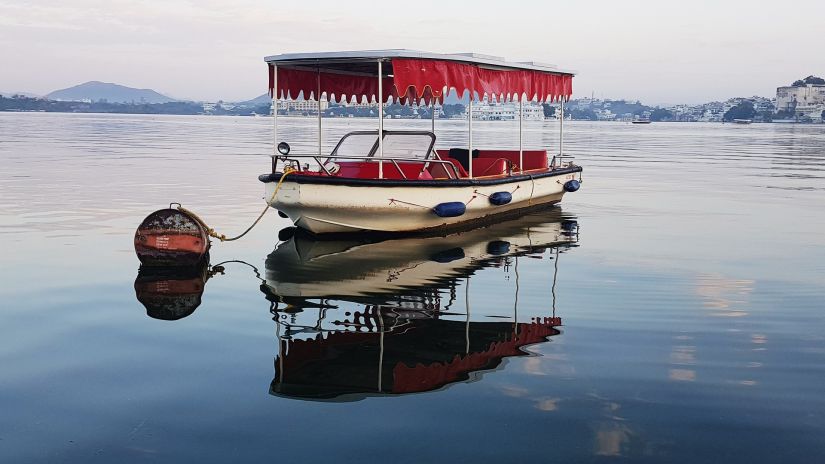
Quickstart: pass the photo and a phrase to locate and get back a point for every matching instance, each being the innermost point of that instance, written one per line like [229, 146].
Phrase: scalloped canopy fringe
[422, 79]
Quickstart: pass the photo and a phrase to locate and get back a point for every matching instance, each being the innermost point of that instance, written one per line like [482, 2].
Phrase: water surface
[670, 311]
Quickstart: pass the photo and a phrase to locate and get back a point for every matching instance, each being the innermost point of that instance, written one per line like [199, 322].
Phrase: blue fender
[500, 198]
[572, 185]
[450, 209]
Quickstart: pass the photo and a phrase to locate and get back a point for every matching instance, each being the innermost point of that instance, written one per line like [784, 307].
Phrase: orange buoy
[170, 237]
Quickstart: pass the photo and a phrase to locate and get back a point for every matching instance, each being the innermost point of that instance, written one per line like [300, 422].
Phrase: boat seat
[489, 167]
[369, 170]
[533, 159]
[439, 171]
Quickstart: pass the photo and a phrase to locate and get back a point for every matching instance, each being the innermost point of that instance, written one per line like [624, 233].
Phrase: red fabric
[489, 167]
[425, 79]
[369, 170]
[292, 82]
[413, 76]
[533, 159]
[439, 171]
[420, 377]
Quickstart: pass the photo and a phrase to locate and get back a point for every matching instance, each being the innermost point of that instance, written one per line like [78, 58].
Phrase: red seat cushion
[369, 170]
[440, 171]
[533, 159]
[489, 167]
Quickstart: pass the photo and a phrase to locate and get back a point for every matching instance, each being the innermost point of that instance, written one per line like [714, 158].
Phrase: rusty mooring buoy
[170, 237]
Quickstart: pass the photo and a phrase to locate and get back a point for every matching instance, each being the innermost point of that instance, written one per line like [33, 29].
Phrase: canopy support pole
[432, 115]
[561, 134]
[275, 113]
[467, 320]
[318, 98]
[380, 121]
[381, 347]
[470, 119]
[555, 274]
[515, 302]
[520, 148]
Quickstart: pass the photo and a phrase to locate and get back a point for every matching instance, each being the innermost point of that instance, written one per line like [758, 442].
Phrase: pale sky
[663, 51]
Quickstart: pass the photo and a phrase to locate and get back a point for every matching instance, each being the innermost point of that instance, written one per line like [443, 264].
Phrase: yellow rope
[223, 238]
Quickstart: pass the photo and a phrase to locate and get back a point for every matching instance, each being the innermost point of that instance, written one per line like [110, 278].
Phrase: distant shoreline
[575, 110]
[313, 117]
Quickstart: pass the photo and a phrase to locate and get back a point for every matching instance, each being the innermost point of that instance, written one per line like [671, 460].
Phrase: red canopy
[424, 79]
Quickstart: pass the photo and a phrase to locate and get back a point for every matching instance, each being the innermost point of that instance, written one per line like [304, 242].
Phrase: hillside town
[803, 102]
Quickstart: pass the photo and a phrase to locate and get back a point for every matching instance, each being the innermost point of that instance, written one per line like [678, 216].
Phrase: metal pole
[281, 350]
[561, 134]
[432, 114]
[275, 112]
[467, 320]
[470, 116]
[520, 117]
[380, 349]
[318, 97]
[515, 301]
[555, 274]
[380, 121]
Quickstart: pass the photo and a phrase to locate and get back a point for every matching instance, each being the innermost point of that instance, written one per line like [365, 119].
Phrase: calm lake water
[670, 311]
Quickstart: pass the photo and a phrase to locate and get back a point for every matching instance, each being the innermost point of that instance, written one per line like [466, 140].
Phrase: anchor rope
[395, 200]
[223, 238]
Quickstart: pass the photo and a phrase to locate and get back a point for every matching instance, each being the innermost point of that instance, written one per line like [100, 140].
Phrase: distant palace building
[803, 101]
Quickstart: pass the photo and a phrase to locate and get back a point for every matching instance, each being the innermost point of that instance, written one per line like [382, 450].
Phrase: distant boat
[743, 121]
[641, 121]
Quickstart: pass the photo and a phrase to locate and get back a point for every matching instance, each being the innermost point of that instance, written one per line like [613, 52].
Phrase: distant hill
[260, 100]
[112, 93]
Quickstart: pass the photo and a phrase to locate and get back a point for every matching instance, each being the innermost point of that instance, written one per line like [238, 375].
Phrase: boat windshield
[397, 144]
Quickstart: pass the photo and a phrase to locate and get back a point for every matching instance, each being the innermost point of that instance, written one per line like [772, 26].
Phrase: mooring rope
[223, 238]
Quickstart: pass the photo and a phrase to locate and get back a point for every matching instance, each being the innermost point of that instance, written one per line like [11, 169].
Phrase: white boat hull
[336, 208]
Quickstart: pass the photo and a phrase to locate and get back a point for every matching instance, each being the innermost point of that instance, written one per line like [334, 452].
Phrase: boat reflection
[357, 318]
[360, 318]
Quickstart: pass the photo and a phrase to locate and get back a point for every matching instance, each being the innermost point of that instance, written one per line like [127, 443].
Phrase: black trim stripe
[349, 181]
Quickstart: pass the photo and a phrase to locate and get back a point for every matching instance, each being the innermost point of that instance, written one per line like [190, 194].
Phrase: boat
[641, 121]
[399, 182]
[743, 121]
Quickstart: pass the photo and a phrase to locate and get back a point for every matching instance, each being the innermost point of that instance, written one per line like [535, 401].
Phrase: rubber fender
[572, 185]
[500, 198]
[450, 209]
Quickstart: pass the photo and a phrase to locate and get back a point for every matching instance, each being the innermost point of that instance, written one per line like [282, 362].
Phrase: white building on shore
[506, 111]
[806, 101]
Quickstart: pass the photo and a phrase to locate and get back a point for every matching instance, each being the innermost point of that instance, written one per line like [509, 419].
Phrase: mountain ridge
[107, 91]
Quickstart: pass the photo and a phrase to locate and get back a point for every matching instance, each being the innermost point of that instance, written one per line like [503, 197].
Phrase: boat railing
[295, 160]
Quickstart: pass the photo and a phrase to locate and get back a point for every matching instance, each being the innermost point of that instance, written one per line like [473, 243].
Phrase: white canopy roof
[371, 55]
